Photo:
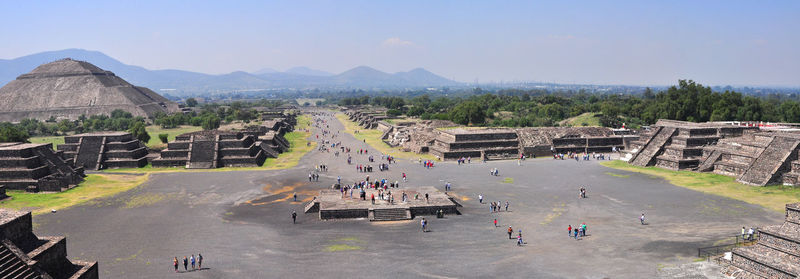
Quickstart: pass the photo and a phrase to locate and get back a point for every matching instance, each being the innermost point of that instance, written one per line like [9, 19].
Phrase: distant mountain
[184, 83]
[306, 71]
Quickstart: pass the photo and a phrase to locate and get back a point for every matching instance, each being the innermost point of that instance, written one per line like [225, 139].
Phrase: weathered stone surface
[103, 150]
[36, 167]
[66, 89]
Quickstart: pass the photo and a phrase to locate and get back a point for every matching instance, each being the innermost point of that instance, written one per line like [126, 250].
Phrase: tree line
[686, 101]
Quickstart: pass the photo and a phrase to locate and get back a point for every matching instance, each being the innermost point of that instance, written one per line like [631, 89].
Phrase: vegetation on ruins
[140, 132]
[687, 101]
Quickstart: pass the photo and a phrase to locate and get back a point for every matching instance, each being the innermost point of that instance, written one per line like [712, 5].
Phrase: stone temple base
[331, 204]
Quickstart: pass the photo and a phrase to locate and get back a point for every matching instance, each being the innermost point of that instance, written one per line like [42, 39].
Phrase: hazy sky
[604, 42]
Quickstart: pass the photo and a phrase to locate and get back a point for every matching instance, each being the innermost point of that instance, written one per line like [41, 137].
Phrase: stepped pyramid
[68, 88]
[776, 255]
[25, 255]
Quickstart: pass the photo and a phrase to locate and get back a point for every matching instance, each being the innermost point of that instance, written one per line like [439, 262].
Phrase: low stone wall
[431, 210]
[343, 213]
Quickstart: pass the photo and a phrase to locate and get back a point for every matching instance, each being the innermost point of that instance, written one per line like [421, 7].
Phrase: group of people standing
[192, 259]
[577, 232]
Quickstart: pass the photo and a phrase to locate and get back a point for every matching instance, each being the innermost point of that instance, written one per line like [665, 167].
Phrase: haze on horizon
[597, 42]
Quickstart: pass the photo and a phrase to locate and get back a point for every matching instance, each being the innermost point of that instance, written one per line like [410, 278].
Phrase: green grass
[589, 118]
[773, 197]
[618, 175]
[55, 140]
[154, 130]
[341, 247]
[95, 186]
[508, 180]
[373, 138]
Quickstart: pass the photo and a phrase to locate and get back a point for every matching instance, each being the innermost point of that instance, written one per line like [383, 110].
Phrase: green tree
[210, 122]
[468, 112]
[191, 102]
[139, 131]
[10, 133]
[163, 138]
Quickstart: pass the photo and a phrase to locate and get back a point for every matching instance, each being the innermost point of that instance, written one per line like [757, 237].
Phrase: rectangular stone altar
[330, 204]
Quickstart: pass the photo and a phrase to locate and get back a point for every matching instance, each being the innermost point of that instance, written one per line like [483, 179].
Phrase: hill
[186, 83]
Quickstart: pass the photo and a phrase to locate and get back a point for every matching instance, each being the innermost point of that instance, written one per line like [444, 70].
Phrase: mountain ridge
[181, 82]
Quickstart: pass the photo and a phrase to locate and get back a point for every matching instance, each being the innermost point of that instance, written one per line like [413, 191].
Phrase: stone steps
[650, 150]
[12, 266]
[763, 170]
[707, 163]
[390, 214]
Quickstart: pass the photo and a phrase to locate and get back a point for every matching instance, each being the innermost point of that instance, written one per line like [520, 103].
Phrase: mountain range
[179, 82]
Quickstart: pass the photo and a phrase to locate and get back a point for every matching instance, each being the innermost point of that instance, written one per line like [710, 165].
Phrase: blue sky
[602, 42]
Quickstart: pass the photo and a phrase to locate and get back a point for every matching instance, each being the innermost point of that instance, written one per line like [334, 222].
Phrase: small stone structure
[452, 144]
[211, 149]
[544, 141]
[103, 150]
[67, 89]
[25, 255]
[776, 255]
[331, 205]
[367, 119]
[36, 167]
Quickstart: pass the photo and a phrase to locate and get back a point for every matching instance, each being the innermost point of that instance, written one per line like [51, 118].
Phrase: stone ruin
[36, 167]
[96, 151]
[330, 205]
[25, 255]
[753, 156]
[67, 89]
[211, 149]
[450, 141]
[775, 255]
[367, 119]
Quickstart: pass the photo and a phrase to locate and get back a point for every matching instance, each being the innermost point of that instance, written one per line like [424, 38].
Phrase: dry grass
[373, 138]
[773, 197]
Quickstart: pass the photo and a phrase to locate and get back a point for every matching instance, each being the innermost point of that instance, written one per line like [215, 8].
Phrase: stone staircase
[11, 266]
[89, 152]
[650, 149]
[390, 214]
[776, 255]
[707, 163]
[776, 156]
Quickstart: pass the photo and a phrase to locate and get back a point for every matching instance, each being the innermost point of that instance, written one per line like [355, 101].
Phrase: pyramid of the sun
[66, 89]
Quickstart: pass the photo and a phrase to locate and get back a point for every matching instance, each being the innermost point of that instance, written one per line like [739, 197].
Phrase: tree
[469, 112]
[11, 133]
[139, 131]
[191, 102]
[163, 138]
[210, 122]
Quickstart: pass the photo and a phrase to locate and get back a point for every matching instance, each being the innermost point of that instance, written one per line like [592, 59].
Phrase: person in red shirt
[569, 230]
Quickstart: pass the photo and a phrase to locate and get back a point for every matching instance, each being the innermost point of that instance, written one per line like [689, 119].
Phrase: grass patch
[341, 247]
[773, 197]
[154, 130]
[95, 186]
[311, 101]
[373, 138]
[618, 175]
[55, 140]
[590, 119]
[508, 180]
[289, 159]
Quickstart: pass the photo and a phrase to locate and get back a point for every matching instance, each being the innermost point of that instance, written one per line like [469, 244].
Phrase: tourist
[642, 219]
[519, 240]
[294, 217]
[192, 260]
[750, 233]
[424, 224]
[295, 196]
[495, 222]
[510, 231]
[506, 206]
[743, 234]
[583, 228]
[576, 233]
[185, 264]
[426, 197]
[480, 198]
[569, 230]
[175, 263]
[199, 261]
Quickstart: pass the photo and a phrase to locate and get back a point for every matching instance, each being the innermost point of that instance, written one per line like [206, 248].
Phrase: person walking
[294, 217]
[510, 232]
[175, 263]
[642, 219]
[424, 224]
[575, 230]
[480, 198]
[743, 232]
[506, 206]
[569, 230]
[199, 261]
[185, 264]
[495, 222]
[191, 259]
[295, 196]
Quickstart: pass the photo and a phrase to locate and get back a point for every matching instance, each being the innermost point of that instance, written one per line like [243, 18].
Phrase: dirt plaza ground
[241, 222]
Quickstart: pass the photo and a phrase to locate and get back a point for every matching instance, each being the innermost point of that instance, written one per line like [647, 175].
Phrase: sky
[752, 43]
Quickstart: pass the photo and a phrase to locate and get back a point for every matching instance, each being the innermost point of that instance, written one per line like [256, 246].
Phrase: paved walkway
[240, 222]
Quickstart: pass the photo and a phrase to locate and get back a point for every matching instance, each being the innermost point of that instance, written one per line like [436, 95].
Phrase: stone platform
[331, 205]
